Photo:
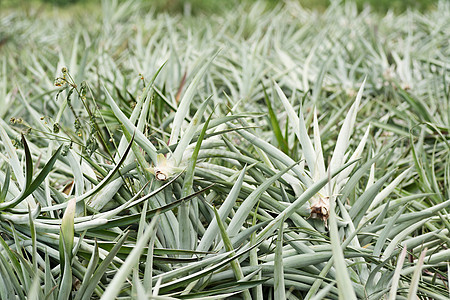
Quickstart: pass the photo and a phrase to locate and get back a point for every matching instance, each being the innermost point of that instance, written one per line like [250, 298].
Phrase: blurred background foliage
[196, 7]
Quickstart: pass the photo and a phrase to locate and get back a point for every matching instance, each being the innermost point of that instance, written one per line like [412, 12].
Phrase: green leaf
[362, 204]
[89, 272]
[282, 143]
[344, 282]
[276, 154]
[93, 282]
[99, 186]
[114, 287]
[397, 273]
[300, 130]
[140, 138]
[244, 209]
[65, 286]
[416, 276]
[4, 190]
[10, 281]
[133, 218]
[65, 250]
[185, 102]
[31, 186]
[344, 134]
[33, 242]
[13, 159]
[229, 248]
[190, 132]
[224, 210]
[279, 286]
[184, 223]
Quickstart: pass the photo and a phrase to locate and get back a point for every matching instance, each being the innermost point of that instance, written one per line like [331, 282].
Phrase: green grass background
[215, 6]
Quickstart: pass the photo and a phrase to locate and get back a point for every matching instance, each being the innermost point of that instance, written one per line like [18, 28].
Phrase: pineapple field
[267, 151]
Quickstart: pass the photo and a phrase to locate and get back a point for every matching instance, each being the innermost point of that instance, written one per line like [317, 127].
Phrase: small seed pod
[160, 176]
[320, 209]
[163, 169]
